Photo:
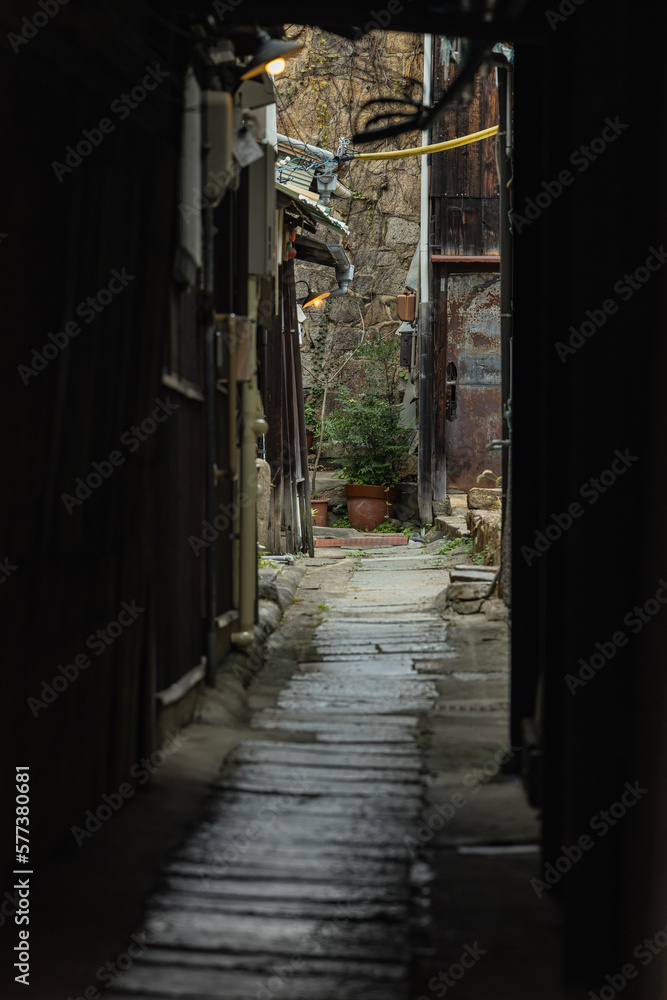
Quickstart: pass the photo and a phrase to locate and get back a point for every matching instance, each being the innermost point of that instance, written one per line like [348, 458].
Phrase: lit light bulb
[275, 66]
[317, 301]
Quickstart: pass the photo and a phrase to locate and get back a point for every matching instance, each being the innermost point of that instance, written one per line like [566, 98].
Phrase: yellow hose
[436, 148]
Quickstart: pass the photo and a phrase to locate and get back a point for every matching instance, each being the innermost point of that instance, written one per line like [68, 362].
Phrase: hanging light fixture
[317, 301]
[270, 55]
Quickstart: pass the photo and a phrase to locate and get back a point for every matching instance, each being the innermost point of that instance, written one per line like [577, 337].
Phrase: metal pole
[504, 163]
[425, 335]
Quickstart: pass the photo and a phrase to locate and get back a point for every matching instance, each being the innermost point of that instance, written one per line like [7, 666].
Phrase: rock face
[321, 93]
[330, 488]
[482, 498]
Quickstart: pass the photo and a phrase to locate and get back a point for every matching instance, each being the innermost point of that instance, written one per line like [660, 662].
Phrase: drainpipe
[425, 331]
[253, 426]
[305, 146]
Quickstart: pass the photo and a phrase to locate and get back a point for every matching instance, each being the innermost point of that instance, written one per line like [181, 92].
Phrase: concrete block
[452, 527]
[442, 507]
[483, 498]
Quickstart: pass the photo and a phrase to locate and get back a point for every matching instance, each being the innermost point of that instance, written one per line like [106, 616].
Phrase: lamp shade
[317, 301]
[269, 55]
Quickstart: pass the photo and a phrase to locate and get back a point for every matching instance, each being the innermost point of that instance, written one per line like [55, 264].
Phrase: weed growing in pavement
[455, 543]
[386, 527]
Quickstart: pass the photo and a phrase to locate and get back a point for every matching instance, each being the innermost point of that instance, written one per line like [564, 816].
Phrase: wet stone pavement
[304, 881]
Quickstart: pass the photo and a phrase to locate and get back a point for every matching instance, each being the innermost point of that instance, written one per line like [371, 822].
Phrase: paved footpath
[299, 883]
[304, 882]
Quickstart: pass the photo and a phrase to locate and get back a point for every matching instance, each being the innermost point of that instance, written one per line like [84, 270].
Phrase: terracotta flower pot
[321, 506]
[367, 506]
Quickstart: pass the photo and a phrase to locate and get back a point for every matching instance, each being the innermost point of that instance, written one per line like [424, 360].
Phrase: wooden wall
[464, 181]
[127, 542]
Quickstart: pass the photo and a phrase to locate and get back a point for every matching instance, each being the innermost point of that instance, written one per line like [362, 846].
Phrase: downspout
[305, 146]
[425, 332]
[253, 426]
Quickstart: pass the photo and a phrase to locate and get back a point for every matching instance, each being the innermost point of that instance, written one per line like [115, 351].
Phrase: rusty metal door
[471, 310]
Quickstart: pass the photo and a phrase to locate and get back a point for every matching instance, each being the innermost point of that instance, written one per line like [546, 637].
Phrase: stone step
[361, 541]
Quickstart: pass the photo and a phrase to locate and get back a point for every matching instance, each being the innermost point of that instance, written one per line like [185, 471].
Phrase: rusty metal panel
[473, 378]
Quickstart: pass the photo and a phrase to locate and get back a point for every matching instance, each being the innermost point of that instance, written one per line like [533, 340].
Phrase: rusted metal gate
[468, 338]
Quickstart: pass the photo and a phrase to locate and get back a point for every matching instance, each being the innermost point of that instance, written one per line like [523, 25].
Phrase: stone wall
[319, 100]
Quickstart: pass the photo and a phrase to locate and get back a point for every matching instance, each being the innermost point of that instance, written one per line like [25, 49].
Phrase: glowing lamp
[270, 55]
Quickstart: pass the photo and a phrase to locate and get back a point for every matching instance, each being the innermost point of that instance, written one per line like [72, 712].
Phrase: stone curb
[275, 595]
[452, 527]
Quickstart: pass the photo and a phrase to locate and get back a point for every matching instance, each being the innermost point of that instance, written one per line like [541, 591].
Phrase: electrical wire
[437, 147]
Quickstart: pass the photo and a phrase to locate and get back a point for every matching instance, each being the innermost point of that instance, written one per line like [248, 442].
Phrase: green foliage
[379, 377]
[385, 528]
[358, 195]
[310, 414]
[478, 558]
[374, 441]
[465, 544]
[367, 418]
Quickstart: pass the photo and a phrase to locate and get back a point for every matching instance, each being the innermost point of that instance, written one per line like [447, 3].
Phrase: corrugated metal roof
[317, 214]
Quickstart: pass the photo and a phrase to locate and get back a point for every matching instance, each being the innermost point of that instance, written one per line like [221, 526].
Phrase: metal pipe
[248, 526]
[337, 251]
[232, 333]
[504, 179]
[425, 335]
[253, 425]
[424, 220]
[306, 146]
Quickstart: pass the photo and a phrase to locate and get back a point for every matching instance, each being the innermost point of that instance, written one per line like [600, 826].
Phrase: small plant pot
[367, 506]
[321, 506]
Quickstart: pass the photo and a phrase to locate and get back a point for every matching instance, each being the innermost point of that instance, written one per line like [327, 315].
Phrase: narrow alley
[334, 367]
[331, 828]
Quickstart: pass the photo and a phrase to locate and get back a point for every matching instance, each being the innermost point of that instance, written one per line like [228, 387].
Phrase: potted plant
[374, 446]
[319, 508]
